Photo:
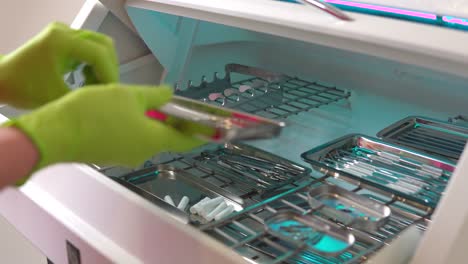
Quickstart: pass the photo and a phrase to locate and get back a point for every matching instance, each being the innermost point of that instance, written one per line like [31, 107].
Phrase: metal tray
[348, 207]
[174, 212]
[162, 180]
[263, 170]
[428, 135]
[404, 172]
[214, 123]
[311, 232]
[255, 157]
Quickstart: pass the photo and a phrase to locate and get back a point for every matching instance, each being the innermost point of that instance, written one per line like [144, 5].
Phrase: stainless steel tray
[174, 212]
[214, 123]
[348, 208]
[311, 232]
[162, 180]
[404, 172]
[255, 157]
[428, 135]
[263, 170]
[198, 175]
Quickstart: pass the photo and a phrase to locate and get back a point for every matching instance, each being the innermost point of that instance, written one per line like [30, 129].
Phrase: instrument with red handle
[214, 123]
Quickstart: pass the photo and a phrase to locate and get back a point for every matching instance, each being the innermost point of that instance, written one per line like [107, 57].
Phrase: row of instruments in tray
[361, 193]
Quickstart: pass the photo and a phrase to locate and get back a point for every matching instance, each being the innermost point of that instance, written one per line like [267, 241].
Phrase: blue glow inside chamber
[398, 13]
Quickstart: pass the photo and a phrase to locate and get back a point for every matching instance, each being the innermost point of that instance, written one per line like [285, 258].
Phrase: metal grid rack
[246, 233]
[298, 96]
[267, 94]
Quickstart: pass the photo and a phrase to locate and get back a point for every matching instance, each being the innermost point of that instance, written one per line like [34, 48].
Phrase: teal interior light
[399, 13]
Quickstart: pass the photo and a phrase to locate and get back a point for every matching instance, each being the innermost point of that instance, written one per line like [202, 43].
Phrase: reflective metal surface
[162, 180]
[263, 93]
[247, 164]
[249, 232]
[324, 6]
[428, 135]
[309, 232]
[174, 212]
[349, 208]
[203, 174]
[407, 173]
[214, 123]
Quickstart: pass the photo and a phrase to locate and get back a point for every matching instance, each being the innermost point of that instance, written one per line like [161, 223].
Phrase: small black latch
[73, 254]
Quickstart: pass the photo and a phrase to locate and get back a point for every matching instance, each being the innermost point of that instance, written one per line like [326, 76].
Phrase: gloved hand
[33, 74]
[103, 124]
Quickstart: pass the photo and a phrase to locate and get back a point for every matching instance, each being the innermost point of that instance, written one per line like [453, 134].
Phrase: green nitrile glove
[33, 74]
[103, 124]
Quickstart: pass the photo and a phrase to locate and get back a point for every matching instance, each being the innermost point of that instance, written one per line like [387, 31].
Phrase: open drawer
[338, 77]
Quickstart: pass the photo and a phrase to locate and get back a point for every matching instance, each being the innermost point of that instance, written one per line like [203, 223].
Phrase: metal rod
[328, 8]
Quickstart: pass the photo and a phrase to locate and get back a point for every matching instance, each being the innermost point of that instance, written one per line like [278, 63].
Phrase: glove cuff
[23, 180]
[15, 123]
[52, 142]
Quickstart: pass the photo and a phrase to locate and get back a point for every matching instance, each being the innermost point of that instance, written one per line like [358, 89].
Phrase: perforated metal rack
[267, 94]
[245, 232]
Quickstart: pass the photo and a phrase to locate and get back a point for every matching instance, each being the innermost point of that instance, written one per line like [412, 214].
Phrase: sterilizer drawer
[296, 101]
[338, 78]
